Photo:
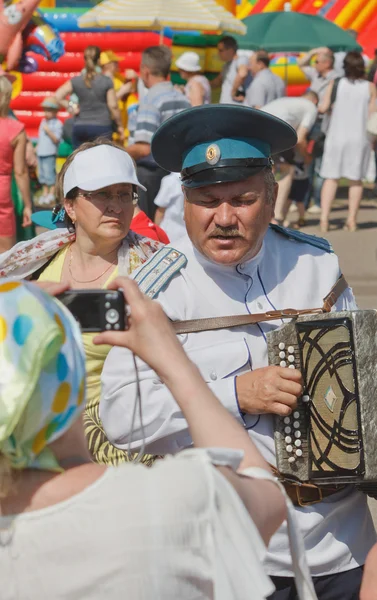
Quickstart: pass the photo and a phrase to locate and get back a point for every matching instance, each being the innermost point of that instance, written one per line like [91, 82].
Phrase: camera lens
[112, 316]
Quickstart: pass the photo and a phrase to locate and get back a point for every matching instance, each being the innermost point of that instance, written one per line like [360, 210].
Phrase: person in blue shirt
[49, 136]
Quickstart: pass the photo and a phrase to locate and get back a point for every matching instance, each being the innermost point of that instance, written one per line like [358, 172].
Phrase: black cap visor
[220, 175]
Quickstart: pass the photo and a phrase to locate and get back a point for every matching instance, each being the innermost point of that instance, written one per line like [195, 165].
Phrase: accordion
[331, 437]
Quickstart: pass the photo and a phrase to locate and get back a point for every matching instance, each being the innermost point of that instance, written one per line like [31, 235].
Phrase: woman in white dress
[197, 88]
[347, 148]
[192, 526]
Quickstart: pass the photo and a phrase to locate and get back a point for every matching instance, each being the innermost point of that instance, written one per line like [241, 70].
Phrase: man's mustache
[228, 232]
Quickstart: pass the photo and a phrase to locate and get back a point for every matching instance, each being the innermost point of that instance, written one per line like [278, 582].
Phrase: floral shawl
[25, 258]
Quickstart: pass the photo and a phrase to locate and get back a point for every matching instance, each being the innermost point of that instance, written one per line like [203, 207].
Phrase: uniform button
[213, 375]
[156, 382]
[259, 305]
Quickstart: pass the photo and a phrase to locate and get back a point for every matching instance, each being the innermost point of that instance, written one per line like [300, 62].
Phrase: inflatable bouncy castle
[33, 86]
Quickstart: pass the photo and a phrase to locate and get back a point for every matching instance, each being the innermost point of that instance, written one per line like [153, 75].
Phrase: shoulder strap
[159, 270]
[299, 236]
[334, 90]
[214, 323]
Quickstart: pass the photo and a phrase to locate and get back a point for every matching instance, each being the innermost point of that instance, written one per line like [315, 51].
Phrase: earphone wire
[137, 405]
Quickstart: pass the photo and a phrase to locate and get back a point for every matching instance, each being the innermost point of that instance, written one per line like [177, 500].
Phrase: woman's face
[104, 213]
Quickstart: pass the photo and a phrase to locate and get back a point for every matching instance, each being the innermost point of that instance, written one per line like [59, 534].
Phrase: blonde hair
[91, 56]
[5, 95]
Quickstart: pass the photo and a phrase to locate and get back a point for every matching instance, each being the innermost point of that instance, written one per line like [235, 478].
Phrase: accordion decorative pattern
[330, 438]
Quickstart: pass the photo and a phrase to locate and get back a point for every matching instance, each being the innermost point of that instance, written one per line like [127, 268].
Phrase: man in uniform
[234, 263]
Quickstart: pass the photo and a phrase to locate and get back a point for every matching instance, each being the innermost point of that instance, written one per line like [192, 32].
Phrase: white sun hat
[99, 167]
[189, 61]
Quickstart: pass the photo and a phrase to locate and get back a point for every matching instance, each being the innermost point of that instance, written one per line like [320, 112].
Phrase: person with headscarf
[195, 525]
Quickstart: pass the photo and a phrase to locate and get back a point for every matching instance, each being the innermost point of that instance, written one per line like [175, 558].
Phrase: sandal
[350, 227]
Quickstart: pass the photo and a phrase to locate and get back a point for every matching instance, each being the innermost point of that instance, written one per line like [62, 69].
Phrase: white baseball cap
[99, 167]
[189, 61]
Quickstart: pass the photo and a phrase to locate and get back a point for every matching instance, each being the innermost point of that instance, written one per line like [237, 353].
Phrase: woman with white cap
[90, 245]
[197, 88]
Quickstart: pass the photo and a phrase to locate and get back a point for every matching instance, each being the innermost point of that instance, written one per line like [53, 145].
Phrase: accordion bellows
[331, 438]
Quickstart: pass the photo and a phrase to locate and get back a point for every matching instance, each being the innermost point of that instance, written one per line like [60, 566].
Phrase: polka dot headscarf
[42, 374]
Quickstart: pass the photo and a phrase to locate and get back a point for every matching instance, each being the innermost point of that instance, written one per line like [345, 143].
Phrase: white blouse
[175, 531]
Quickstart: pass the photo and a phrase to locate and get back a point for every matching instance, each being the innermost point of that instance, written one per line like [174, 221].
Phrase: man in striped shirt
[161, 102]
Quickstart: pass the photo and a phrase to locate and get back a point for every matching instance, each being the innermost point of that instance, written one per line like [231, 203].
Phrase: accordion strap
[212, 323]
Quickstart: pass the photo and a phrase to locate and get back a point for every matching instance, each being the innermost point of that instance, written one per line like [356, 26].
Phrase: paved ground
[357, 254]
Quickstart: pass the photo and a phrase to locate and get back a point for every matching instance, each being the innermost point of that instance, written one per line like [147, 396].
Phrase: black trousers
[151, 178]
[340, 586]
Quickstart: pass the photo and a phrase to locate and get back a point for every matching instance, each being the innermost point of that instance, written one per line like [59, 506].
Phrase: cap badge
[213, 154]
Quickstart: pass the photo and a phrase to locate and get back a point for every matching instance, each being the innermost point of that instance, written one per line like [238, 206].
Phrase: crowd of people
[204, 515]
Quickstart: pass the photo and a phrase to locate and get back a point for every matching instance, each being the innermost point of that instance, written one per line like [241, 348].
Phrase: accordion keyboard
[292, 430]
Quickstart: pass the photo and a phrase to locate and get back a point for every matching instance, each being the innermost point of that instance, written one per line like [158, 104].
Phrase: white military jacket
[286, 273]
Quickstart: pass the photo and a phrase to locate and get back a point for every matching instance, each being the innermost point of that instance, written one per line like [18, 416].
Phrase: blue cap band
[229, 148]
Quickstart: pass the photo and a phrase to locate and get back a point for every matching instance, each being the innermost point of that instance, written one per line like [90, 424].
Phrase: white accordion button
[298, 443]
[291, 459]
[281, 346]
[291, 349]
[287, 430]
[296, 414]
[281, 354]
[288, 439]
[287, 420]
[298, 452]
[289, 448]
[291, 358]
[291, 367]
[296, 424]
[305, 398]
[283, 363]
[297, 434]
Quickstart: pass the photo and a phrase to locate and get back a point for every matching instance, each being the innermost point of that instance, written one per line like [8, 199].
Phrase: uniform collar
[247, 266]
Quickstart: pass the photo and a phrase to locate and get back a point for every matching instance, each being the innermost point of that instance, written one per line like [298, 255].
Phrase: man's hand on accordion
[271, 390]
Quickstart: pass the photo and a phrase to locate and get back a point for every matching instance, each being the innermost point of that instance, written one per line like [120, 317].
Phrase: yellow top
[95, 355]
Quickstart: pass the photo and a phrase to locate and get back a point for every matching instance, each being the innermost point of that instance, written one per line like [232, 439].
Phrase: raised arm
[61, 94]
[151, 337]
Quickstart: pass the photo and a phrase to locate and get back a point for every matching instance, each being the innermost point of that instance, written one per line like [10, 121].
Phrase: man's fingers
[292, 374]
[288, 399]
[281, 409]
[290, 387]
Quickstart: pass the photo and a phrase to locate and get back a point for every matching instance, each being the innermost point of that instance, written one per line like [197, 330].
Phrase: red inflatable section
[50, 76]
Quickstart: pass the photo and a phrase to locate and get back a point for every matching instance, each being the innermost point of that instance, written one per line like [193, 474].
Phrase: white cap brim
[187, 68]
[99, 167]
